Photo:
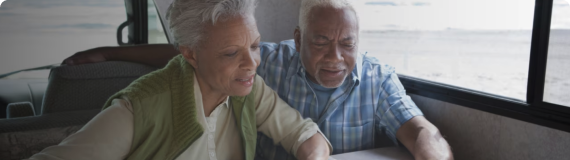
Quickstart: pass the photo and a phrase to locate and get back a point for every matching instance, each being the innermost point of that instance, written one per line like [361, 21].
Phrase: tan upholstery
[20, 145]
[22, 137]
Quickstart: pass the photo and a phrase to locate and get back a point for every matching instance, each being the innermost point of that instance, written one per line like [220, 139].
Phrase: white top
[220, 136]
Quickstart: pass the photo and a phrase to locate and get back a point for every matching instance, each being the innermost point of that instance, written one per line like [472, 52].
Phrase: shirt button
[212, 154]
[210, 137]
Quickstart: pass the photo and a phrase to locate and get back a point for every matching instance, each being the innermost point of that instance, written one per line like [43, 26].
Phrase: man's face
[328, 46]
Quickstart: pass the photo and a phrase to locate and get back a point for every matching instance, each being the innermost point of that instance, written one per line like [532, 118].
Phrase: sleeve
[394, 107]
[279, 121]
[107, 136]
[265, 51]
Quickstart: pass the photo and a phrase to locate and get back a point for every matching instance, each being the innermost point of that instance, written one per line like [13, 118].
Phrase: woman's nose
[250, 61]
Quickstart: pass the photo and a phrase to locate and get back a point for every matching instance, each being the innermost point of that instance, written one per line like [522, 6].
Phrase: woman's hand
[314, 148]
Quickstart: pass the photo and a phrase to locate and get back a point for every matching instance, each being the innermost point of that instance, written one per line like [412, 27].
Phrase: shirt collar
[226, 102]
[297, 68]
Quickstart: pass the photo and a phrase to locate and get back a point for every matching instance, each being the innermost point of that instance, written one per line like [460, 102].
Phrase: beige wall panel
[277, 19]
[526, 141]
[474, 134]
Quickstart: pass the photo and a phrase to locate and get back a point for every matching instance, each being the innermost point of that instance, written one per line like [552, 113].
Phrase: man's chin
[331, 84]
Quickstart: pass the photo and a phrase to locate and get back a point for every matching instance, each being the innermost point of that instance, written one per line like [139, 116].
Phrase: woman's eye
[231, 54]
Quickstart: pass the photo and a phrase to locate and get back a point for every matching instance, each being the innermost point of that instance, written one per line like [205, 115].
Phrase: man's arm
[408, 123]
[423, 139]
[156, 55]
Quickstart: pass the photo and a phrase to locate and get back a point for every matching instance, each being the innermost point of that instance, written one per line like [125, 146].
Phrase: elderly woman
[207, 103]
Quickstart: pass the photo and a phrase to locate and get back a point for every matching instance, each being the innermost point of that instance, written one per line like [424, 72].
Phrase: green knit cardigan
[165, 120]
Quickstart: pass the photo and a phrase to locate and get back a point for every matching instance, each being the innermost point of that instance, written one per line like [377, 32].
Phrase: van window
[557, 81]
[482, 45]
[41, 32]
[155, 31]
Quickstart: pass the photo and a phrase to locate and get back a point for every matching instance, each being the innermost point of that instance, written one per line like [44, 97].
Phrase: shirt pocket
[357, 137]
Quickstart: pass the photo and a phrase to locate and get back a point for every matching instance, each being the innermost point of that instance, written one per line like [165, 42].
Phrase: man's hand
[156, 55]
[314, 148]
[94, 55]
[424, 140]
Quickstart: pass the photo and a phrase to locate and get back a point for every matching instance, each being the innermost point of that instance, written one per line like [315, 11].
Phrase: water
[467, 43]
[41, 32]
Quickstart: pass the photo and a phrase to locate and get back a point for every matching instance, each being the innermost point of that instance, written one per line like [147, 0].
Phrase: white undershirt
[221, 138]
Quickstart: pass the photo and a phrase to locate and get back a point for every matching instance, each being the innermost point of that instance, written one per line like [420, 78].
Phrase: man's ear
[189, 55]
[297, 37]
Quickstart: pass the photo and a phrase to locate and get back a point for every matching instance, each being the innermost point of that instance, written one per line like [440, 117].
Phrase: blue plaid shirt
[371, 100]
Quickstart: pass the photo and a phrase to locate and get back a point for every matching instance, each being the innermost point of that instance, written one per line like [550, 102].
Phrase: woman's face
[226, 60]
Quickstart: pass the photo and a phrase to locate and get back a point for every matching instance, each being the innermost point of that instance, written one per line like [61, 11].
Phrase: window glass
[41, 32]
[557, 82]
[155, 30]
[482, 45]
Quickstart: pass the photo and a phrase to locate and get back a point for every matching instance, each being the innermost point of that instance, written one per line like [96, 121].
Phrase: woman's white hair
[308, 5]
[189, 17]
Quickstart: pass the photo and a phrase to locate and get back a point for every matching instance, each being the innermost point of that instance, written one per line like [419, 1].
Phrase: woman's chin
[242, 91]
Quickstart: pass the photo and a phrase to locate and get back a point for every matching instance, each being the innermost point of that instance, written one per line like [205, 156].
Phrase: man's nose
[334, 54]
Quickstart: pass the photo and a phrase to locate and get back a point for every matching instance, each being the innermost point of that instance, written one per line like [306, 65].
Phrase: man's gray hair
[189, 17]
[307, 5]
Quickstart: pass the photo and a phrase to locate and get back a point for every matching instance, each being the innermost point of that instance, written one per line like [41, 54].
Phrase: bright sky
[455, 14]
[31, 28]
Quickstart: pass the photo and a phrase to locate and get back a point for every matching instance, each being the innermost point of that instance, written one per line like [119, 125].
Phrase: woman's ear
[189, 55]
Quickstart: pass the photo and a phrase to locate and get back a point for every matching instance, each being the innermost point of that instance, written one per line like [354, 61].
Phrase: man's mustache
[338, 66]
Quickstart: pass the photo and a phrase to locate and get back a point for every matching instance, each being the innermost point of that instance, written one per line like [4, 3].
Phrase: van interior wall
[277, 19]
[474, 134]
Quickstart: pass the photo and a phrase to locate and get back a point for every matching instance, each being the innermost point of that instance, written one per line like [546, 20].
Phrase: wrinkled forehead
[329, 20]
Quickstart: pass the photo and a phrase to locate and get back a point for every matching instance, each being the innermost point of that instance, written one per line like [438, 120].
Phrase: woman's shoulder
[148, 85]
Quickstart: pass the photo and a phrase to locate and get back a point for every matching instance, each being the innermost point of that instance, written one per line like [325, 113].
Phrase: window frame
[534, 110]
[137, 19]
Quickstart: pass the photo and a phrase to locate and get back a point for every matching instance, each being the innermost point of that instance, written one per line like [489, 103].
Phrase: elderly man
[354, 99]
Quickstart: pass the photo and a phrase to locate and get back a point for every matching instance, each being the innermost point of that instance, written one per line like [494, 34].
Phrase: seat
[75, 94]
[22, 137]
[88, 86]
[20, 109]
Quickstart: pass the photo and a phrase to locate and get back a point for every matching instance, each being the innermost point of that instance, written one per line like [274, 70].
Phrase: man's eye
[254, 47]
